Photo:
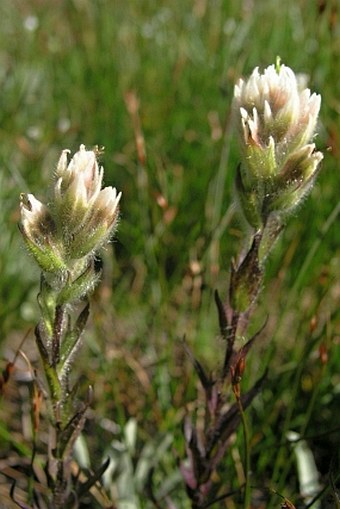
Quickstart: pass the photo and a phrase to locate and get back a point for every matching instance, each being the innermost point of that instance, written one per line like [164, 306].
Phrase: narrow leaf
[72, 337]
[222, 317]
[229, 421]
[86, 486]
[205, 380]
[70, 433]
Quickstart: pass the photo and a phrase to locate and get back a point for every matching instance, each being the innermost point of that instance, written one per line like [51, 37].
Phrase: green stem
[247, 492]
[53, 384]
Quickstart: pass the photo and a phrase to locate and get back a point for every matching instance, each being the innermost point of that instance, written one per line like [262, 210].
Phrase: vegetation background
[152, 82]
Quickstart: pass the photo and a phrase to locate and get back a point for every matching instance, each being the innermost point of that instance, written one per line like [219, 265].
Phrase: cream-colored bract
[272, 104]
[30, 208]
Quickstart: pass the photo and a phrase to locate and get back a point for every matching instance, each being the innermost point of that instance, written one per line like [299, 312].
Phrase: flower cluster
[80, 218]
[276, 120]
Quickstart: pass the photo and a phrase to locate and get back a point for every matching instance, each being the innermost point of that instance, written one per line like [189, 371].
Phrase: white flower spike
[276, 121]
[80, 218]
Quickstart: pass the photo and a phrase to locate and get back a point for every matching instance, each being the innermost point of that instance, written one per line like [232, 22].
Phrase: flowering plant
[64, 237]
[276, 120]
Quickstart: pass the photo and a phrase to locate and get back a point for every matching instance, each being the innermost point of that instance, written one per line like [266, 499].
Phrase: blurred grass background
[99, 72]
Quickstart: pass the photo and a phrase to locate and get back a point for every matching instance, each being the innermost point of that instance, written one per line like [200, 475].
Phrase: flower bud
[37, 228]
[276, 121]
